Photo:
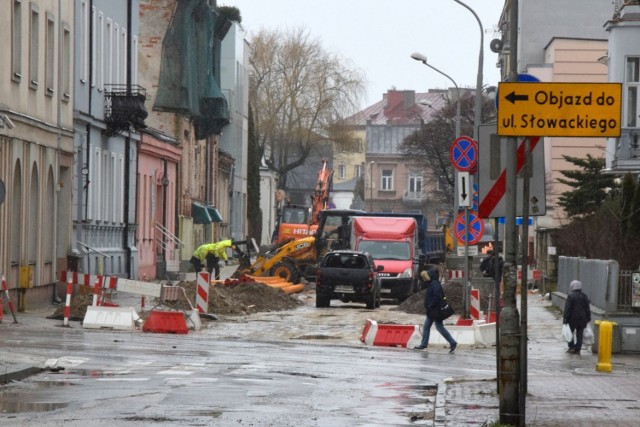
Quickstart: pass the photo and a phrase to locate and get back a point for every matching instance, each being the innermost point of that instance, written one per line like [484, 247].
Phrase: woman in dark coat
[577, 313]
[432, 299]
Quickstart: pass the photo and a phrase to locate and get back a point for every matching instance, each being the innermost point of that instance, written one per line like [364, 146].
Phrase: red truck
[393, 243]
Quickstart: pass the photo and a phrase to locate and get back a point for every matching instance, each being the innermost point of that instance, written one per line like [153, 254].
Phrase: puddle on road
[10, 405]
[93, 373]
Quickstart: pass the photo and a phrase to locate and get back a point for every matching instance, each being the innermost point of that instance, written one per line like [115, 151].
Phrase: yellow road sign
[559, 109]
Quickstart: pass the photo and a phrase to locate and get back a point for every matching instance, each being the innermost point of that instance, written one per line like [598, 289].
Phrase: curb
[19, 373]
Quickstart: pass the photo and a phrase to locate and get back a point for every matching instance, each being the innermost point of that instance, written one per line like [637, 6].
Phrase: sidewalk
[563, 389]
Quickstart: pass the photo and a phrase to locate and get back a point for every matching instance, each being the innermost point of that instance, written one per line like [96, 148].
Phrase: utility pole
[509, 361]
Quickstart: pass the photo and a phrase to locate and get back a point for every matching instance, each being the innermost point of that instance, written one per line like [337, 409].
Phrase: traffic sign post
[464, 156]
[559, 109]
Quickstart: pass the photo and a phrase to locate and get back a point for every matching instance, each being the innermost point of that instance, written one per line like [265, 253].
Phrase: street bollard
[605, 342]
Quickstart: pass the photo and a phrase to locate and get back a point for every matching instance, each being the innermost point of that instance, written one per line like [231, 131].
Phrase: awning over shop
[203, 214]
[200, 213]
[214, 214]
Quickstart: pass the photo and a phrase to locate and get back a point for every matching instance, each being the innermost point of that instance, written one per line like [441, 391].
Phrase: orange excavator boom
[321, 196]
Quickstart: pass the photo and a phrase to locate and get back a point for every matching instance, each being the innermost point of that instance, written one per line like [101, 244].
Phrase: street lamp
[420, 57]
[371, 186]
[477, 114]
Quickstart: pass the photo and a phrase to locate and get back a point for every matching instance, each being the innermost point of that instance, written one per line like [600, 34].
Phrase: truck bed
[349, 276]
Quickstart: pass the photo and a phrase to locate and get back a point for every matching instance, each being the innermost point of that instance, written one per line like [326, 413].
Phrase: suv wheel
[322, 299]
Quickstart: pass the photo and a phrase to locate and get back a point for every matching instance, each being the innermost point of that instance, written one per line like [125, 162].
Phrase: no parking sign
[471, 234]
[464, 154]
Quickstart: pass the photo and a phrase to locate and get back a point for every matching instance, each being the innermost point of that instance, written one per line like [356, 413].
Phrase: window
[632, 83]
[16, 42]
[94, 42]
[386, 183]
[123, 53]
[116, 54]
[99, 54]
[66, 63]
[50, 40]
[358, 170]
[108, 53]
[415, 182]
[134, 64]
[34, 38]
[84, 41]
[342, 171]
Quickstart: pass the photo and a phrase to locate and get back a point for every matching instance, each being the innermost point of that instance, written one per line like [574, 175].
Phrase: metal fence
[629, 291]
[609, 288]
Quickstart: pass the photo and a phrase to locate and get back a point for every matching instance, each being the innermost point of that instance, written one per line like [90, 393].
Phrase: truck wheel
[286, 270]
[322, 300]
[371, 300]
[378, 298]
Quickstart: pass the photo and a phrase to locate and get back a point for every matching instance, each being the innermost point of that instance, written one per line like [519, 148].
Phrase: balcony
[124, 108]
[414, 198]
[627, 156]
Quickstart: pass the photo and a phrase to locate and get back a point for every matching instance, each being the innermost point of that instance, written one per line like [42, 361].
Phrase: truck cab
[393, 243]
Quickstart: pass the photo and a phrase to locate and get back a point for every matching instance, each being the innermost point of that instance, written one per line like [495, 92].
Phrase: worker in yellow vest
[211, 254]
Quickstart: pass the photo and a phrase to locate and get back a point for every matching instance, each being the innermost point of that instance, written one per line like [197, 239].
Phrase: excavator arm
[321, 195]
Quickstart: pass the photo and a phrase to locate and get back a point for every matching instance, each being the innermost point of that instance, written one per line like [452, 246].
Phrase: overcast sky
[378, 37]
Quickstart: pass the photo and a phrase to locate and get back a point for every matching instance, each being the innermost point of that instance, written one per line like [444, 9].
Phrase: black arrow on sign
[464, 189]
[512, 97]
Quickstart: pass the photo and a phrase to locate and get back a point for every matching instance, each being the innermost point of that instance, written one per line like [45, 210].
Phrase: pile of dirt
[415, 303]
[243, 298]
[77, 309]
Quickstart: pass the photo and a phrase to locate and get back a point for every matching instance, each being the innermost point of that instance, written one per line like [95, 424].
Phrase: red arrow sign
[491, 200]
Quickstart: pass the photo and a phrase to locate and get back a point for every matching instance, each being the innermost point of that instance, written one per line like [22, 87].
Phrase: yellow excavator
[293, 259]
[297, 258]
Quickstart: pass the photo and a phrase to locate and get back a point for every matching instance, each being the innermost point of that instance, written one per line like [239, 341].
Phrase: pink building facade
[158, 249]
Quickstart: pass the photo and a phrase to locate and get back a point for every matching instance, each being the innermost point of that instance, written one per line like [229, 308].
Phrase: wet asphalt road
[305, 367]
[138, 379]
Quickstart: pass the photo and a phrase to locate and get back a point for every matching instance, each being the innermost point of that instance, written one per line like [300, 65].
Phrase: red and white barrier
[390, 335]
[455, 274]
[88, 279]
[202, 294]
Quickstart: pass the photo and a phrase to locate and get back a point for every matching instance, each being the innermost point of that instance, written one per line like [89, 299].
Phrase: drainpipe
[127, 154]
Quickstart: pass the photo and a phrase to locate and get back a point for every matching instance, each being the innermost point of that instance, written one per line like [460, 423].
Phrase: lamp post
[371, 186]
[477, 114]
[420, 57]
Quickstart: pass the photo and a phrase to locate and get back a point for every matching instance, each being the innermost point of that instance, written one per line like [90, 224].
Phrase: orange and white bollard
[96, 292]
[9, 302]
[474, 310]
[67, 307]
[202, 292]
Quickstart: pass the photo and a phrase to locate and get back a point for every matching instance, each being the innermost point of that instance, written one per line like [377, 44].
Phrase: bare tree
[431, 144]
[299, 94]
